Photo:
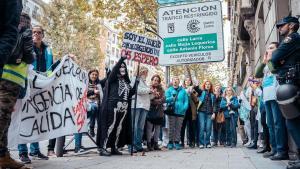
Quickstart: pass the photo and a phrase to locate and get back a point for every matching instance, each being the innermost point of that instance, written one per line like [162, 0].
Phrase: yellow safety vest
[15, 73]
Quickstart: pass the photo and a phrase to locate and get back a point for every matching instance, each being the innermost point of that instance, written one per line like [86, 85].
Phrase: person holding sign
[114, 129]
[144, 94]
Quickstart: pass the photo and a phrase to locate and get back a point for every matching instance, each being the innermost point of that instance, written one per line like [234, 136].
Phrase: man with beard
[114, 122]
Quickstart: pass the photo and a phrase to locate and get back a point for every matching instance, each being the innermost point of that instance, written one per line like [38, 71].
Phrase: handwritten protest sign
[140, 48]
[54, 106]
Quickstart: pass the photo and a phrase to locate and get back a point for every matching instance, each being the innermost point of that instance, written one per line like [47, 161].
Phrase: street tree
[71, 28]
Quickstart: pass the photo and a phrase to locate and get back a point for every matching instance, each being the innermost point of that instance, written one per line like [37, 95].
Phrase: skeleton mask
[123, 69]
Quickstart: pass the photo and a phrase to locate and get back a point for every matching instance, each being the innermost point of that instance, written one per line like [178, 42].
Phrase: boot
[115, 151]
[156, 146]
[295, 165]
[8, 162]
[149, 147]
[104, 152]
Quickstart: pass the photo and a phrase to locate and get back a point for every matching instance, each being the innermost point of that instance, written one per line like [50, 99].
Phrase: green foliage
[71, 28]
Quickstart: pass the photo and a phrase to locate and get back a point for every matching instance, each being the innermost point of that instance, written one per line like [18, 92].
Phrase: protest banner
[140, 48]
[54, 106]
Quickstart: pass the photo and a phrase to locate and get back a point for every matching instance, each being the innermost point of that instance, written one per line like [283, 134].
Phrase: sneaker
[24, 158]
[269, 154]
[51, 153]
[80, 151]
[201, 146]
[170, 146]
[208, 146]
[39, 156]
[178, 147]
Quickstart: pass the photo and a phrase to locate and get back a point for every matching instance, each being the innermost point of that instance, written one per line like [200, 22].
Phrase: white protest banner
[140, 48]
[54, 106]
[192, 33]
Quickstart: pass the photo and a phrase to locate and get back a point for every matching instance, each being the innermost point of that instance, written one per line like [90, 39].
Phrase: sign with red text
[140, 48]
[54, 106]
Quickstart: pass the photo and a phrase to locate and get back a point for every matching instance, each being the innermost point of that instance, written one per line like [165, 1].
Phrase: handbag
[171, 107]
[220, 118]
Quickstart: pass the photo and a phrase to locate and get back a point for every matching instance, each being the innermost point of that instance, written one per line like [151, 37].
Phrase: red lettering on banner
[140, 57]
[80, 111]
[126, 53]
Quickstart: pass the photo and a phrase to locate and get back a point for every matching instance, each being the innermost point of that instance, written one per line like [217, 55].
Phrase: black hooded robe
[114, 118]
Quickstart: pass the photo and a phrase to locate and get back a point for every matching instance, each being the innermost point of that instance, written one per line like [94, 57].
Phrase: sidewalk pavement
[214, 158]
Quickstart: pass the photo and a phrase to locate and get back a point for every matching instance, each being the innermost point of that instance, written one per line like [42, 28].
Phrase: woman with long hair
[230, 105]
[190, 117]
[156, 113]
[205, 111]
[218, 118]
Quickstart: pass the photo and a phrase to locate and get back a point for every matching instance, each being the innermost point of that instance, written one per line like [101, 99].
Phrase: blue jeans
[140, 118]
[92, 114]
[293, 126]
[78, 138]
[277, 128]
[205, 126]
[34, 148]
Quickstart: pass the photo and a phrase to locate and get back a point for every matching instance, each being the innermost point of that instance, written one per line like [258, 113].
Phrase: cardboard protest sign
[140, 48]
[54, 106]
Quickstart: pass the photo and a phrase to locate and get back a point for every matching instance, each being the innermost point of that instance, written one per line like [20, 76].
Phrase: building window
[117, 53]
[113, 50]
[25, 2]
[114, 39]
[26, 9]
[35, 12]
[108, 35]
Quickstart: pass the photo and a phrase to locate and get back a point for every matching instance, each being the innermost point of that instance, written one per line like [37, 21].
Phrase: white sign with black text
[54, 106]
[192, 33]
[140, 48]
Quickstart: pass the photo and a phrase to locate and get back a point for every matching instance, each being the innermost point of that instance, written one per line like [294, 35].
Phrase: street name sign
[191, 33]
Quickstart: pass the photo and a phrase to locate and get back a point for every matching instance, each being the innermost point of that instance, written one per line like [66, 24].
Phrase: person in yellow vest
[13, 77]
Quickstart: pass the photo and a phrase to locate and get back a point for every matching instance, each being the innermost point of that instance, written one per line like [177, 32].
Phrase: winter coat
[43, 60]
[206, 107]
[193, 102]
[10, 11]
[143, 95]
[234, 106]
[182, 100]
[156, 112]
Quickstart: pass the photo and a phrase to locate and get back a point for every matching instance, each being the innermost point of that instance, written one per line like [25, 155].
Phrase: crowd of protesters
[145, 116]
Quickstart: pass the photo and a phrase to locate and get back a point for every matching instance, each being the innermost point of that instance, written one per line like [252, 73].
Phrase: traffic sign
[192, 33]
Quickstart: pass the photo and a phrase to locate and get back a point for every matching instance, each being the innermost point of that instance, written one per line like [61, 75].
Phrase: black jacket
[10, 11]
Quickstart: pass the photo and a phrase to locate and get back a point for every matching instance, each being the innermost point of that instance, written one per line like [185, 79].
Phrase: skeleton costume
[114, 129]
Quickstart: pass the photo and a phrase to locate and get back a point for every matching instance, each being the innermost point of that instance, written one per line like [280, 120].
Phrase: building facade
[35, 9]
[110, 45]
[253, 28]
